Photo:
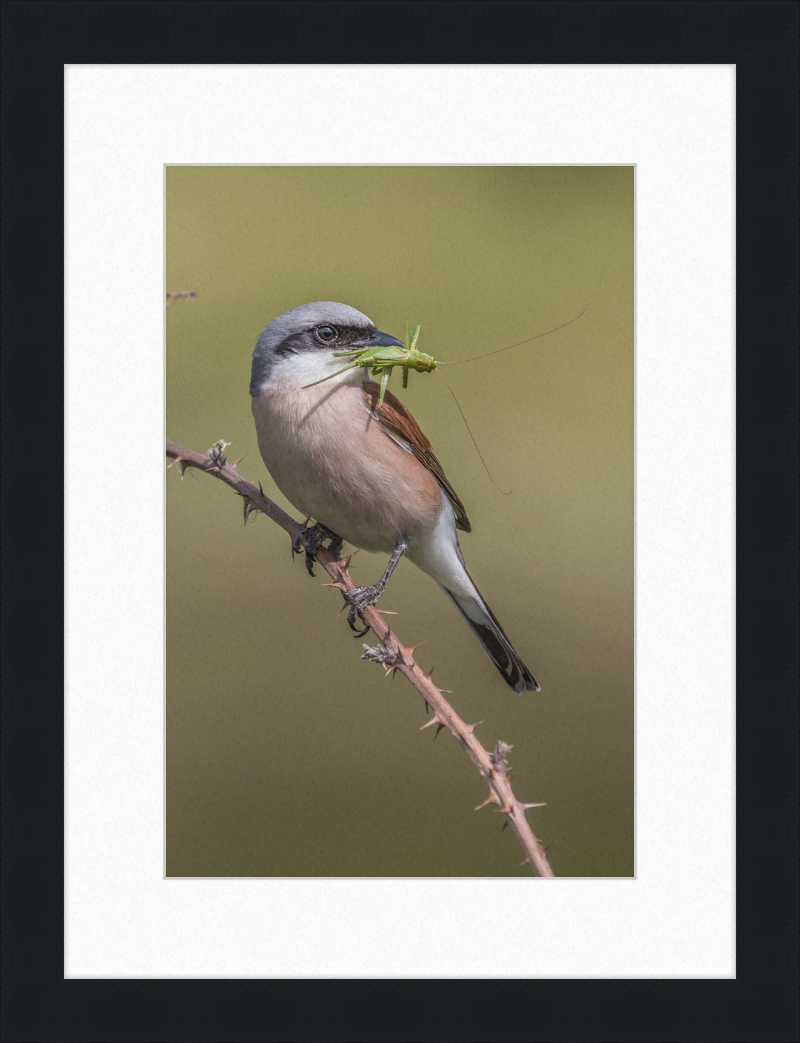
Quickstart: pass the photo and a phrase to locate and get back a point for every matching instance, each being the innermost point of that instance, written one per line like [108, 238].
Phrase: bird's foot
[361, 598]
[310, 541]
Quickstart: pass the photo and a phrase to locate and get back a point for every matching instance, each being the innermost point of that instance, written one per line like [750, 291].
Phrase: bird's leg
[310, 541]
[361, 597]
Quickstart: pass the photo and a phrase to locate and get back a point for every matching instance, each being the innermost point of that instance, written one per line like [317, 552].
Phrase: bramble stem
[394, 656]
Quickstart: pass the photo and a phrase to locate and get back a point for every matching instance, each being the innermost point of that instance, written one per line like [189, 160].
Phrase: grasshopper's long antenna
[538, 335]
[461, 411]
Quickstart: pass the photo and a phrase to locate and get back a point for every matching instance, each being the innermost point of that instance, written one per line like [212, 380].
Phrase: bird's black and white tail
[488, 631]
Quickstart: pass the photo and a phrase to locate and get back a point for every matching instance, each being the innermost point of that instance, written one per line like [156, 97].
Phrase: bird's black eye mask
[307, 340]
[322, 337]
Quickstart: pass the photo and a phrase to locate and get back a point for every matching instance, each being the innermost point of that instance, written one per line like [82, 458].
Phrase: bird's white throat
[304, 368]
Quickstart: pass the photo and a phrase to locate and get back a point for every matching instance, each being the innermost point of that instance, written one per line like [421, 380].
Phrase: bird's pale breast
[331, 460]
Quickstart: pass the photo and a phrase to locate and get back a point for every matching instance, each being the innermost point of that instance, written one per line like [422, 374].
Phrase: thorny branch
[392, 655]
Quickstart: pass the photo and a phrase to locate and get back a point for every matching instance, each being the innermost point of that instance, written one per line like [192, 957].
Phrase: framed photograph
[589, 211]
[234, 685]
[286, 755]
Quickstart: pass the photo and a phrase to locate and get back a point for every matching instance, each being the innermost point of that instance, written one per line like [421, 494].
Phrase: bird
[365, 472]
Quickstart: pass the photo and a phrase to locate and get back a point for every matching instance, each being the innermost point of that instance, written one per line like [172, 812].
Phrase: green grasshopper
[382, 360]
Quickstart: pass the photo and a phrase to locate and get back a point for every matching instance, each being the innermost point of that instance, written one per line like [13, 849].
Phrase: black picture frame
[761, 39]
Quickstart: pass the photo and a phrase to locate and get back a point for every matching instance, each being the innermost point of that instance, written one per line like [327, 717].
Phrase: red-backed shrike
[366, 474]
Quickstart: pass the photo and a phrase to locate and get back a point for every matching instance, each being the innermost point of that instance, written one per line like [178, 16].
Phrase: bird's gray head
[312, 331]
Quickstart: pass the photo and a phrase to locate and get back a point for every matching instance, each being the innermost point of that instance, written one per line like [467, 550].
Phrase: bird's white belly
[332, 461]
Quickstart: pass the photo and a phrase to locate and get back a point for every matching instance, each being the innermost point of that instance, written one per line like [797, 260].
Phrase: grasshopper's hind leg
[387, 372]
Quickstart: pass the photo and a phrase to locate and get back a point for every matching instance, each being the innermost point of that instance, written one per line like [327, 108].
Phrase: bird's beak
[378, 340]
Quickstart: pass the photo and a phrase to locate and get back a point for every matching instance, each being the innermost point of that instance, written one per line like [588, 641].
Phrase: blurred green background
[286, 754]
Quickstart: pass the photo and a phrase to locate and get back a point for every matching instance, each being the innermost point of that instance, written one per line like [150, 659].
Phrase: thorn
[551, 844]
[504, 825]
[260, 489]
[427, 706]
[512, 777]
[491, 799]
[344, 563]
[526, 806]
[407, 654]
[470, 727]
[436, 736]
[428, 676]
[234, 466]
[339, 586]
[523, 862]
[249, 507]
[445, 691]
[386, 612]
[436, 719]
[502, 811]
[181, 462]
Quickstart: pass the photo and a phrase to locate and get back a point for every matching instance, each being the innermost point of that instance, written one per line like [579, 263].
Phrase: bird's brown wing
[396, 420]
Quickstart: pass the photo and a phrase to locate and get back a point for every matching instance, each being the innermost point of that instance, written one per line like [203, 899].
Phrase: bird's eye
[326, 333]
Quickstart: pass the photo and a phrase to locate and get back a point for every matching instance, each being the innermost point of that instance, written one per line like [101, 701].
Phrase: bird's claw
[311, 539]
[361, 598]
